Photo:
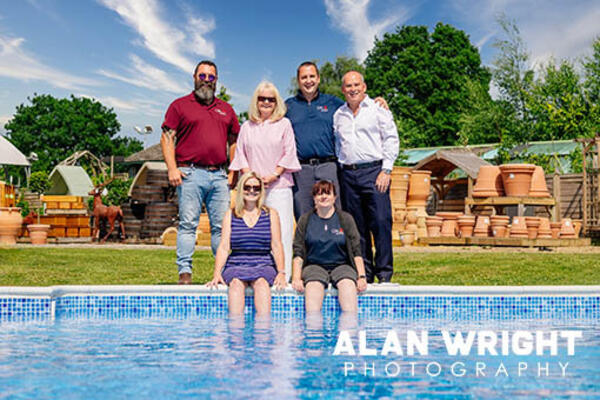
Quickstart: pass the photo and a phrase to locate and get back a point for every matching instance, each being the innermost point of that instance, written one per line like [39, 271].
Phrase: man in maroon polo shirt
[196, 131]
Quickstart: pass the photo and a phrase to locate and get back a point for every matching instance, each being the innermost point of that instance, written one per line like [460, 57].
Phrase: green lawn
[79, 266]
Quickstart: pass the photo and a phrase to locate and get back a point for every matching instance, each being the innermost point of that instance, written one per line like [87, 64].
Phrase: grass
[92, 266]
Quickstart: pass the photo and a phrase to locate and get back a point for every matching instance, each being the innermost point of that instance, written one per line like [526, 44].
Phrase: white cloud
[169, 44]
[351, 16]
[549, 28]
[144, 75]
[17, 63]
[133, 106]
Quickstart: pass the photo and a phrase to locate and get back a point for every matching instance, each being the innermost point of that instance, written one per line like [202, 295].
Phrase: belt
[200, 166]
[317, 160]
[363, 165]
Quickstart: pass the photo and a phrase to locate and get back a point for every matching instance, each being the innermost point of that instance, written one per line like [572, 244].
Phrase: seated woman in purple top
[267, 146]
[250, 248]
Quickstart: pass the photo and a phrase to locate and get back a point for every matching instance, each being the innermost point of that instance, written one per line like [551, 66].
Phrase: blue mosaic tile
[454, 308]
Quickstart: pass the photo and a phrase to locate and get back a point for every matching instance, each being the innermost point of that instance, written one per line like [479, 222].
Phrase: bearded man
[196, 131]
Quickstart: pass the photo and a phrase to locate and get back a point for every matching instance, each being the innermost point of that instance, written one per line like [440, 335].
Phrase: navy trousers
[372, 212]
[304, 181]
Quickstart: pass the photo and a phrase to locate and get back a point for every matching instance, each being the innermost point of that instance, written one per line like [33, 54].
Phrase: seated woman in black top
[327, 249]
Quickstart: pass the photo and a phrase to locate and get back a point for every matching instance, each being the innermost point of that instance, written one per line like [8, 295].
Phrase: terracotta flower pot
[544, 231]
[499, 225]
[449, 223]
[518, 228]
[533, 224]
[516, 178]
[434, 225]
[538, 183]
[399, 186]
[567, 231]
[38, 233]
[10, 224]
[407, 238]
[465, 225]
[577, 223]
[489, 182]
[482, 227]
[555, 229]
[418, 188]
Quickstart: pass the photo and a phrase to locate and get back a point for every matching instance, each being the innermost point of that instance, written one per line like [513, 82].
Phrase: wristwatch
[387, 171]
[362, 277]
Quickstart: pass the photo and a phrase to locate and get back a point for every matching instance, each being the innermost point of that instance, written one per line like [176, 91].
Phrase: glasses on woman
[251, 188]
[264, 99]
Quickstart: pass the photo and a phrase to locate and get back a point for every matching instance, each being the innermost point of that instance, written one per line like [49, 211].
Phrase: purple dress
[250, 256]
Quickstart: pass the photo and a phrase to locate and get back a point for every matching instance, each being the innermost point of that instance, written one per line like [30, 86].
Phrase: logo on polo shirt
[219, 111]
[322, 108]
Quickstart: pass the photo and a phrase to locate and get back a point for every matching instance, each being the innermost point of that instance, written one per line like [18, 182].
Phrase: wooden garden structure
[441, 164]
[591, 185]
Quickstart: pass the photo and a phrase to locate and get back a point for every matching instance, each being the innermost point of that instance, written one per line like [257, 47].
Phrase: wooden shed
[450, 185]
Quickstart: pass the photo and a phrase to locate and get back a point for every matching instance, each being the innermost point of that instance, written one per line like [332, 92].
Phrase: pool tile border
[389, 300]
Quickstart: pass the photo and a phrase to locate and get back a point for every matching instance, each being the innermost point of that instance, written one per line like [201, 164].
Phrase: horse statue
[111, 213]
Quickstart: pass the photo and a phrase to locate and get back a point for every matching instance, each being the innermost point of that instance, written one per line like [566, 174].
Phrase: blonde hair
[280, 107]
[238, 206]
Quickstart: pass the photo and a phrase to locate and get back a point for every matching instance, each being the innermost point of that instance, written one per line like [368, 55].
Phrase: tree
[513, 78]
[54, 128]
[423, 77]
[592, 73]
[484, 120]
[559, 106]
[331, 75]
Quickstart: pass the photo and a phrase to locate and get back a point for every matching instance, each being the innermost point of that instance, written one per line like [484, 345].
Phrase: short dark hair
[206, 62]
[306, 64]
[323, 187]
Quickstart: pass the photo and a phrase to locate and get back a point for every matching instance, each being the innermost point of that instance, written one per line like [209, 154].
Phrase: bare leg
[347, 295]
[313, 296]
[262, 296]
[236, 296]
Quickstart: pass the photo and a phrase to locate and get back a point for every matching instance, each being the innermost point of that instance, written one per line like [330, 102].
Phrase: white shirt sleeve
[389, 137]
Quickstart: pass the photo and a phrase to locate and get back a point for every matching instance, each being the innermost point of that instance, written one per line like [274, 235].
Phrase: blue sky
[136, 56]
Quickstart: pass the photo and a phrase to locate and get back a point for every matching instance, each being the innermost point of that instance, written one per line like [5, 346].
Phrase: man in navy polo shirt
[311, 114]
[196, 131]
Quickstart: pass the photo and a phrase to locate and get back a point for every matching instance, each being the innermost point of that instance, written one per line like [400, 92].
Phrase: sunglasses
[251, 188]
[207, 77]
[267, 99]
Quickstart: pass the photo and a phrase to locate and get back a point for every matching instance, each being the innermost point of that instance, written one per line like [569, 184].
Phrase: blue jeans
[199, 186]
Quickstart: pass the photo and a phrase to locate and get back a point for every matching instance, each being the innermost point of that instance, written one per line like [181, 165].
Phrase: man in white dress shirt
[367, 144]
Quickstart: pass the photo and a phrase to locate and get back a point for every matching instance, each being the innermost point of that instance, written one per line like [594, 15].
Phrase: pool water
[281, 358]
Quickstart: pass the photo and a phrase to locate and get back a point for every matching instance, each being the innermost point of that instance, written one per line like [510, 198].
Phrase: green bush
[39, 182]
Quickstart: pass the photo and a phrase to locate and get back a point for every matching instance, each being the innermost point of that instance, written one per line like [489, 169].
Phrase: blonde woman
[267, 146]
[250, 248]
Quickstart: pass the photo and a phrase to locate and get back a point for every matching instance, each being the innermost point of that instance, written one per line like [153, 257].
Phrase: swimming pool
[165, 342]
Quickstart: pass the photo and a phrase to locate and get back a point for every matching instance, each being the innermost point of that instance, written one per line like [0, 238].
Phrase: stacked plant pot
[434, 225]
[10, 224]
[398, 194]
[533, 223]
[465, 225]
[567, 230]
[449, 223]
[516, 179]
[482, 227]
[518, 228]
[418, 190]
[544, 231]
[499, 225]
[489, 182]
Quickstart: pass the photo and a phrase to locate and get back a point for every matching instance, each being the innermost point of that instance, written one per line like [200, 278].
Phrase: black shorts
[314, 272]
